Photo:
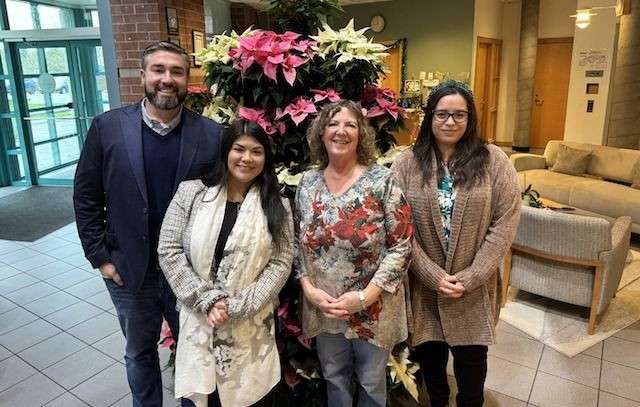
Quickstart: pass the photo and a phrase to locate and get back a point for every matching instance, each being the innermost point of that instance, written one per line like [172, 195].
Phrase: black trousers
[469, 367]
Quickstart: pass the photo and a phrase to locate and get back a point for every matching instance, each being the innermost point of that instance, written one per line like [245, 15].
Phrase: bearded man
[131, 164]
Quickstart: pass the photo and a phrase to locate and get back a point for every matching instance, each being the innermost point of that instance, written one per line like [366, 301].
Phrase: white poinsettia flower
[220, 110]
[285, 177]
[402, 370]
[348, 44]
[390, 156]
[218, 49]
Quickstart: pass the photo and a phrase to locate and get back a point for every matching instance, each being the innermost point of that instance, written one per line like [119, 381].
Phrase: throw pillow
[635, 176]
[571, 161]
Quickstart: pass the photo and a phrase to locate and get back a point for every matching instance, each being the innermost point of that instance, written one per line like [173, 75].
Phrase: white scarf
[240, 358]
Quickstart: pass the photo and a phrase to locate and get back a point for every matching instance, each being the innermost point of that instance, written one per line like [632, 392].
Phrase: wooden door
[487, 85]
[393, 66]
[550, 90]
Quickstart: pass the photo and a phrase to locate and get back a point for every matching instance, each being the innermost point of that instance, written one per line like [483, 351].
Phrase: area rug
[35, 212]
[563, 326]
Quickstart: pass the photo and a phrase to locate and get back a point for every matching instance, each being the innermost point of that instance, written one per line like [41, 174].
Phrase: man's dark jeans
[140, 314]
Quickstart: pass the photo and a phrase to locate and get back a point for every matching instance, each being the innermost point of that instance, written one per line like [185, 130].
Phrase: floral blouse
[446, 201]
[346, 241]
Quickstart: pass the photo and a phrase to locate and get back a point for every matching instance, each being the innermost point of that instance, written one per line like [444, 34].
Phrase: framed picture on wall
[173, 26]
[411, 86]
[198, 44]
[174, 39]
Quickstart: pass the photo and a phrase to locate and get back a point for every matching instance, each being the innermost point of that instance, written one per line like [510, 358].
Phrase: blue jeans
[140, 314]
[340, 358]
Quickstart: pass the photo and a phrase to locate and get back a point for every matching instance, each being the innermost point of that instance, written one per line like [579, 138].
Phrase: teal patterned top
[446, 200]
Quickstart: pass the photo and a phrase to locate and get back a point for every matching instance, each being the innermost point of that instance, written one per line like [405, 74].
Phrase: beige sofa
[604, 190]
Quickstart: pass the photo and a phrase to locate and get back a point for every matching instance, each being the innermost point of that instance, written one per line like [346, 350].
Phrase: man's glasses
[459, 116]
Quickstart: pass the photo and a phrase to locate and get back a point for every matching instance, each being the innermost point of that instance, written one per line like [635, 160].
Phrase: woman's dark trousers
[469, 367]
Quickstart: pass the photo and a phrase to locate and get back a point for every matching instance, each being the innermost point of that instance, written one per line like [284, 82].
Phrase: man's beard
[165, 102]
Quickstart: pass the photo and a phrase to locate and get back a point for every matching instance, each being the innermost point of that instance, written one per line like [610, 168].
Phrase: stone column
[526, 72]
[624, 112]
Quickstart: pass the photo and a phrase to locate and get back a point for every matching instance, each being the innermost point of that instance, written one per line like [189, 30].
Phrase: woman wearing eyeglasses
[466, 204]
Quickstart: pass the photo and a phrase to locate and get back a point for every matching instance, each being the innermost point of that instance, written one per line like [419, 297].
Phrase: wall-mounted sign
[594, 74]
[592, 88]
[173, 27]
[592, 59]
[411, 86]
[590, 106]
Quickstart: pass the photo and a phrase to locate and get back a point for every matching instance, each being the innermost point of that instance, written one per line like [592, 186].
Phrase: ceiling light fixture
[583, 15]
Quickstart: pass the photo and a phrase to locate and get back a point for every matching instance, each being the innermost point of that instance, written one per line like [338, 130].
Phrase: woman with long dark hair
[226, 250]
[465, 202]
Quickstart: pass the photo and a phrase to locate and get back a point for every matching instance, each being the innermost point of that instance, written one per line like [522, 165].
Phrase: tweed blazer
[198, 294]
[483, 225]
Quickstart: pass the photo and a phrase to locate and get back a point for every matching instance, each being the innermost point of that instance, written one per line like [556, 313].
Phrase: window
[20, 15]
[30, 15]
[95, 22]
[4, 69]
[55, 17]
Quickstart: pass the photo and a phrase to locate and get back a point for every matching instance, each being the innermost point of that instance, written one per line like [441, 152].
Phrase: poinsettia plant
[198, 97]
[169, 342]
[281, 80]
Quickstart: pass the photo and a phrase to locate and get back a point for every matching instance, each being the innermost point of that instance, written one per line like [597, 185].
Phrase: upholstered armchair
[567, 257]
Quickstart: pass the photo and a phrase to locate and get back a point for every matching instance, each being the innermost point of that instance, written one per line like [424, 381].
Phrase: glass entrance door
[64, 87]
[12, 164]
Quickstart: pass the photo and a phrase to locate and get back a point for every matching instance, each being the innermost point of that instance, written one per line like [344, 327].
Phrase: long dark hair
[267, 179]
[469, 161]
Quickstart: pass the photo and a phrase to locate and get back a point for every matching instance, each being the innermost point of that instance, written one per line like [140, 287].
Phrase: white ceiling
[262, 4]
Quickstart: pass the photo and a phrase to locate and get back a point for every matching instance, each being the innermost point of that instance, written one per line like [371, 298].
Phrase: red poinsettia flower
[197, 90]
[298, 110]
[289, 66]
[272, 51]
[291, 377]
[369, 94]
[328, 94]
[258, 116]
[384, 107]
[167, 337]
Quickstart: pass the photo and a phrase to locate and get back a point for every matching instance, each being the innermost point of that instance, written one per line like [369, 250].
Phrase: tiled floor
[60, 344]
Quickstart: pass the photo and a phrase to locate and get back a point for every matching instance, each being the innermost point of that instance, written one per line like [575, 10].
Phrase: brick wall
[136, 24]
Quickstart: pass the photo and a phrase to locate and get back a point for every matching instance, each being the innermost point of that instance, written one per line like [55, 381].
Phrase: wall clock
[377, 23]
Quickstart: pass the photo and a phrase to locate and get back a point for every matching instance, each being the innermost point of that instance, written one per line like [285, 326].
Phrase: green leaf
[257, 92]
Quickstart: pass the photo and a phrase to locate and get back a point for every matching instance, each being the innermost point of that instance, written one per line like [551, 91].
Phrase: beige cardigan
[483, 225]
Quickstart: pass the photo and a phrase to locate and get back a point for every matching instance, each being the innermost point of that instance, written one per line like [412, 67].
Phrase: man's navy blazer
[110, 192]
